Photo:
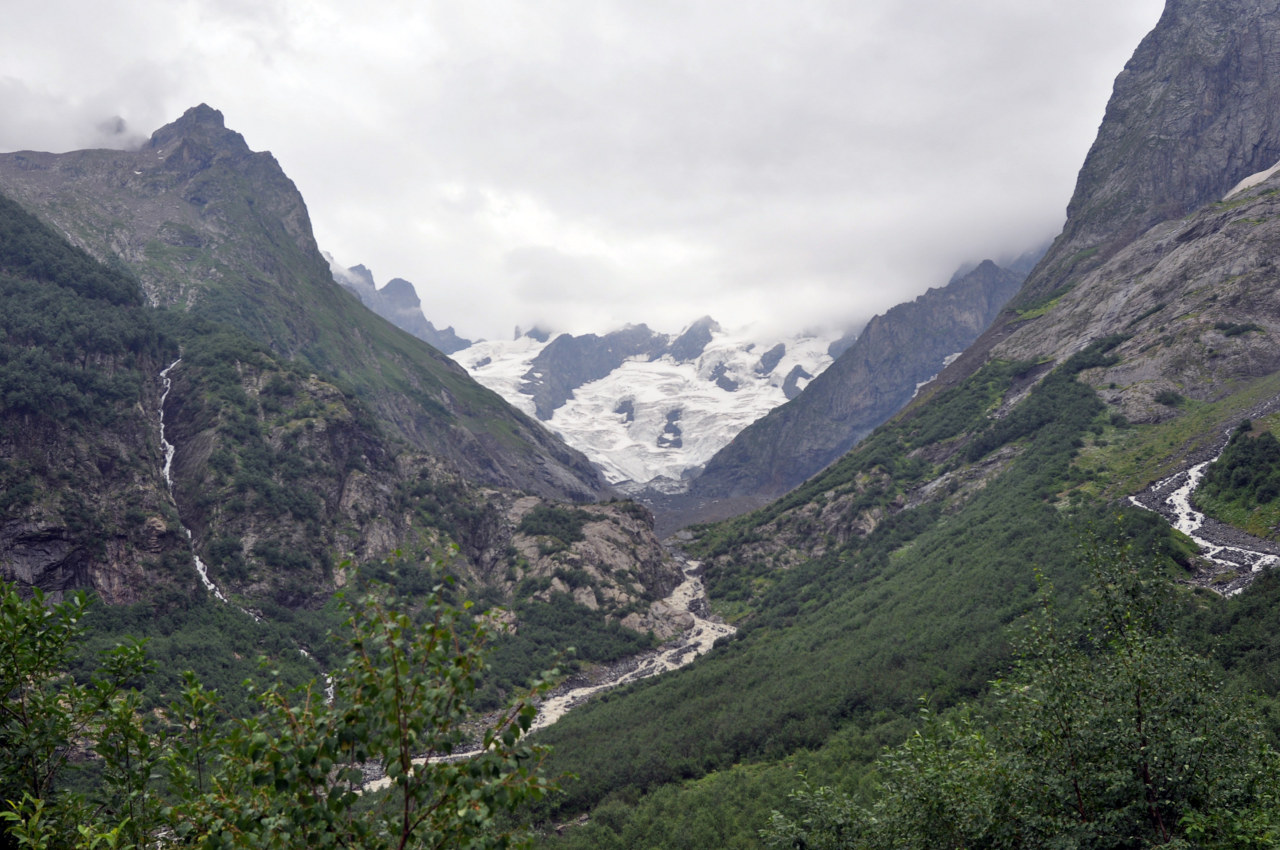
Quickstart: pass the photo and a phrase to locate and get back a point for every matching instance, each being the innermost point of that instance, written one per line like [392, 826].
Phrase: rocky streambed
[701, 630]
[1230, 558]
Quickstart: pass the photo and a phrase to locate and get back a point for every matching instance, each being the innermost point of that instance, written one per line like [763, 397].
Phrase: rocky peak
[569, 361]
[1196, 109]
[221, 231]
[400, 294]
[690, 344]
[200, 131]
[866, 384]
[361, 274]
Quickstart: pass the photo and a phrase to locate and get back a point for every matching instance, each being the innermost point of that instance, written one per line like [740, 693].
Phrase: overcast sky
[587, 164]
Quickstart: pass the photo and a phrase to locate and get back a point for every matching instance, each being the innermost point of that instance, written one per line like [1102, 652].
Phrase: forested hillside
[219, 232]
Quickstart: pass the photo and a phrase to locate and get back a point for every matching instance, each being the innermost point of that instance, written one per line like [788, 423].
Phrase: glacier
[655, 421]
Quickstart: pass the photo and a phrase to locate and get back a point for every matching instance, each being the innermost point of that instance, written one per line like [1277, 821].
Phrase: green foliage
[291, 775]
[1114, 735]
[546, 631]
[1059, 401]
[288, 775]
[45, 715]
[960, 409]
[851, 638]
[221, 644]
[562, 526]
[1230, 329]
[73, 333]
[1146, 314]
[1244, 479]
[30, 250]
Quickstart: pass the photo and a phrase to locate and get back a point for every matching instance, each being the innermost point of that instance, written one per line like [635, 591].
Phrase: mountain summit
[219, 231]
[1195, 110]
[200, 126]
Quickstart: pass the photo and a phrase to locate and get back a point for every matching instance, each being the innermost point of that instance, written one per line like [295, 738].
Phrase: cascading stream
[689, 597]
[169, 450]
[1175, 506]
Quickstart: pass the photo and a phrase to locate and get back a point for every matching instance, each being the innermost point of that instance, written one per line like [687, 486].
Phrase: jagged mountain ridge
[897, 571]
[646, 407]
[303, 428]
[869, 382]
[398, 303]
[276, 474]
[1195, 110]
[1177, 269]
[215, 229]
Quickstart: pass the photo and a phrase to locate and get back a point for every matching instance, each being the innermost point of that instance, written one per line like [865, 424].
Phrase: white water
[168, 447]
[697, 640]
[169, 450]
[688, 597]
[1189, 521]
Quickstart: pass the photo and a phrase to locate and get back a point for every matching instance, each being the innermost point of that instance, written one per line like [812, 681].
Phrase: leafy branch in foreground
[291, 776]
[1110, 736]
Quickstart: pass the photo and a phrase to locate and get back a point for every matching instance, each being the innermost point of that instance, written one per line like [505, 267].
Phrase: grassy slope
[839, 647]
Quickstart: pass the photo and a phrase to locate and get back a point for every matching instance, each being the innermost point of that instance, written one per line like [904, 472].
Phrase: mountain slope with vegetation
[220, 232]
[216, 438]
[268, 489]
[905, 568]
[985, 534]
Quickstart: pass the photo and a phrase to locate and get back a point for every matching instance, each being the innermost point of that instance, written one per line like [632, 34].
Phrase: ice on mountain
[618, 420]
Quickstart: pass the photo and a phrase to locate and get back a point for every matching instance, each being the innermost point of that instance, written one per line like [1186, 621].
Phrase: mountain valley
[951, 607]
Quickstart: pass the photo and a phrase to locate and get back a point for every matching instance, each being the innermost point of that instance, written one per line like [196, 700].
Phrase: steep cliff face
[1195, 298]
[1196, 110]
[869, 382]
[82, 500]
[212, 228]
[1158, 302]
[303, 430]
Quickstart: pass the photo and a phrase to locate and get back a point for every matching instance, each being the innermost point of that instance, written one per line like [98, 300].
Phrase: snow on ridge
[509, 362]
[709, 415]
[1252, 180]
[946, 361]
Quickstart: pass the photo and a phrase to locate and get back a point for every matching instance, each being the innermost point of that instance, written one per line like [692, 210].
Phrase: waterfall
[169, 450]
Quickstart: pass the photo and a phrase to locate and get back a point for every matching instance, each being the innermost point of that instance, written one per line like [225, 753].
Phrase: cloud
[794, 162]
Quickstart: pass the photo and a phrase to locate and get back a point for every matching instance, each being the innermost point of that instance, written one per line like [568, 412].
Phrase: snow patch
[1252, 180]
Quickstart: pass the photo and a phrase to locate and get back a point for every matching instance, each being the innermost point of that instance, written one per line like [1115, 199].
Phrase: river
[1235, 555]
[689, 597]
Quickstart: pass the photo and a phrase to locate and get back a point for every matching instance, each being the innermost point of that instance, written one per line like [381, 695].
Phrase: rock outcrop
[1196, 109]
[398, 303]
